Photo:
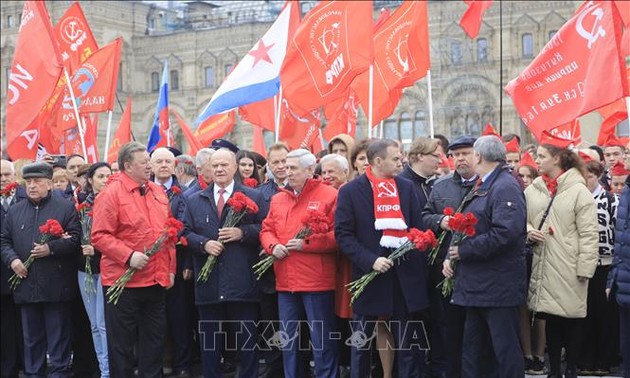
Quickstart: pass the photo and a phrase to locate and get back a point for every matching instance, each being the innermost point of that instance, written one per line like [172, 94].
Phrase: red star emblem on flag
[261, 52]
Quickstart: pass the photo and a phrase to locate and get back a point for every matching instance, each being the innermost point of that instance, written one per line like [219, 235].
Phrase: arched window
[10, 21]
[155, 81]
[420, 124]
[228, 68]
[528, 45]
[406, 129]
[209, 83]
[174, 84]
[552, 33]
[456, 52]
[390, 129]
[482, 50]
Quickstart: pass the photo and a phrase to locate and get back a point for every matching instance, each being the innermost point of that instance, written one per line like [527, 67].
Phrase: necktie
[220, 202]
[5, 203]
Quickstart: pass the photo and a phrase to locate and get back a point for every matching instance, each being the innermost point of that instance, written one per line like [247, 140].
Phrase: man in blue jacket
[370, 211]
[619, 276]
[490, 275]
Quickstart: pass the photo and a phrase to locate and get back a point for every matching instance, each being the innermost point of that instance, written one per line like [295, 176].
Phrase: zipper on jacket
[32, 272]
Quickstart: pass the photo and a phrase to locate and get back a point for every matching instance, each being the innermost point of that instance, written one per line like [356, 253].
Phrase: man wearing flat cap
[49, 284]
[447, 320]
[223, 143]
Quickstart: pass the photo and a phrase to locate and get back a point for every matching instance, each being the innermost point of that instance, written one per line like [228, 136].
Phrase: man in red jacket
[129, 216]
[305, 268]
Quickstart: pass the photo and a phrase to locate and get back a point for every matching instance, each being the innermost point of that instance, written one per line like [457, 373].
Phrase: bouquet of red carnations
[416, 240]
[463, 226]
[250, 182]
[168, 237]
[9, 189]
[51, 229]
[314, 221]
[240, 205]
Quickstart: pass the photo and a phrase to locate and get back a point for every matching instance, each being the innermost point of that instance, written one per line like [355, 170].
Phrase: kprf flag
[75, 37]
[35, 70]
[298, 131]
[473, 17]
[580, 69]
[160, 131]
[341, 115]
[193, 144]
[123, 133]
[332, 45]
[93, 85]
[257, 75]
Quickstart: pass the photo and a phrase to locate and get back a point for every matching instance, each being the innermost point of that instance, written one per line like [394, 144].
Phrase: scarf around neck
[388, 215]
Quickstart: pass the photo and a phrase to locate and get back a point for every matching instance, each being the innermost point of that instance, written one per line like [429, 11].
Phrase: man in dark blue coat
[367, 235]
[490, 275]
[45, 307]
[619, 277]
[228, 300]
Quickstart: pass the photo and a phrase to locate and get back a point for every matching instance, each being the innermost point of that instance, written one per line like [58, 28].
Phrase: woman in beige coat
[565, 250]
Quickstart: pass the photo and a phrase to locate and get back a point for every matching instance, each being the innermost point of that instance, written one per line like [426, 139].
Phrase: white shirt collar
[228, 190]
[167, 184]
[597, 191]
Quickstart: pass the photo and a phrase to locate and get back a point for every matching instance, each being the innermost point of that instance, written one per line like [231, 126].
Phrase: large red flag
[609, 126]
[94, 85]
[215, 127]
[75, 37]
[193, 143]
[296, 131]
[35, 70]
[564, 136]
[123, 133]
[579, 70]
[258, 144]
[342, 116]
[472, 18]
[331, 46]
[260, 113]
[91, 131]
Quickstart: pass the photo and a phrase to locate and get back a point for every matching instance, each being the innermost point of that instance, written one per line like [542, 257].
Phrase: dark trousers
[318, 308]
[624, 336]
[410, 341]
[269, 315]
[600, 328]
[139, 317]
[84, 361]
[492, 334]
[9, 337]
[47, 328]
[179, 312]
[439, 326]
[218, 320]
[455, 321]
[562, 332]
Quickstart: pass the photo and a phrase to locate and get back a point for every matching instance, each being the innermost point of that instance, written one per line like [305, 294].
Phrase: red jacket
[124, 222]
[313, 268]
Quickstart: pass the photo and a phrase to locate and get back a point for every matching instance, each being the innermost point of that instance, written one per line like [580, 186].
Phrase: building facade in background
[203, 40]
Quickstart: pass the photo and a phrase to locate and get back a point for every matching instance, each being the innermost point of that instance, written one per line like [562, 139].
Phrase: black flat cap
[37, 170]
[462, 142]
[223, 143]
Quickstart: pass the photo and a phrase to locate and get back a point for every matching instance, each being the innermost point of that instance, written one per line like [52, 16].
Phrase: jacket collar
[415, 177]
[130, 185]
[309, 186]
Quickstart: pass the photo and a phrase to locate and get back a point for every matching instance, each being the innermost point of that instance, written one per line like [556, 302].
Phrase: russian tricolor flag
[160, 133]
[257, 75]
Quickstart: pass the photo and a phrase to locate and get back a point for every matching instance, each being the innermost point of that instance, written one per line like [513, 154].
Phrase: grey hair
[203, 155]
[11, 166]
[162, 150]
[341, 161]
[490, 148]
[125, 154]
[185, 164]
[305, 158]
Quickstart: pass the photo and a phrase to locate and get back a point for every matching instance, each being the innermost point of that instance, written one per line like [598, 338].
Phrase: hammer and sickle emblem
[72, 30]
[387, 189]
[597, 30]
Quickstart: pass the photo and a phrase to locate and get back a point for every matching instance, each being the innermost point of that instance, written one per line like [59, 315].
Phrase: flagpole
[76, 111]
[628, 110]
[431, 127]
[500, 67]
[380, 130]
[278, 109]
[370, 99]
[109, 130]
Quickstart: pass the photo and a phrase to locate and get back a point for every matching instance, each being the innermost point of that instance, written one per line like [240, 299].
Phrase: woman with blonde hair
[562, 226]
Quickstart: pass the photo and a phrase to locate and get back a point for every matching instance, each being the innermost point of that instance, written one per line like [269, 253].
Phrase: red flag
[35, 70]
[75, 37]
[72, 142]
[91, 131]
[296, 131]
[490, 130]
[123, 133]
[472, 18]
[342, 116]
[259, 141]
[193, 143]
[609, 126]
[623, 6]
[564, 136]
[94, 84]
[576, 72]
[260, 113]
[215, 127]
[331, 46]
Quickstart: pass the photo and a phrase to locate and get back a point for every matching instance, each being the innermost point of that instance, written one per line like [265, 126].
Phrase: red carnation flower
[250, 182]
[183, 241]
[176, 190]
[449, 211]
[8, 190]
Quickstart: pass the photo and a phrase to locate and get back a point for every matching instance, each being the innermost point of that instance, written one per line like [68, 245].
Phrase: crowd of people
[541, 285]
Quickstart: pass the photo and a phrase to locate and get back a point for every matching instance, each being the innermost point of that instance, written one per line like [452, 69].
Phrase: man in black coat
[399, 292]
[48, 286]
[490, 275]
[228, 300]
